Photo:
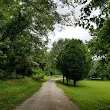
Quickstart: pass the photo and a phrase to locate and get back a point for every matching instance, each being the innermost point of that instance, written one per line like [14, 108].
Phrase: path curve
[49, 97]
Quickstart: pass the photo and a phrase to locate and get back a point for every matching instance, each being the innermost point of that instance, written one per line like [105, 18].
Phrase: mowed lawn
[13, 92]
[88, 95]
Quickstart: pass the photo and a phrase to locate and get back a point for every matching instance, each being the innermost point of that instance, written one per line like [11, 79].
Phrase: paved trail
[49, 97]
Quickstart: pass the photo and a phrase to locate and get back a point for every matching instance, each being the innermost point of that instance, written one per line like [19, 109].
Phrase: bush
[11, 75]
[38, 73]
[2, 72]
[38, 76]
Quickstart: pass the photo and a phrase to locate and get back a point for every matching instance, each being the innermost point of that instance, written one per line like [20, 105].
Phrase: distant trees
[51, 56]
[99, 70]
[100, 44]
[72, 61]
[26, 23]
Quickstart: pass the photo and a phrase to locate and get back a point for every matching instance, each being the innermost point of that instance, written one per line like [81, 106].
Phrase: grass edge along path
[15, 91]
[89, 95]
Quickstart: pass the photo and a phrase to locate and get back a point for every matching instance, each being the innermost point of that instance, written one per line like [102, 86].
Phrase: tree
[25, 24]
[4, 46]
[53, 53]
[99, 45]
[99, 26]
[19, 55]
[72, 60]
[37, 16]
[87, 19]
[99, 70]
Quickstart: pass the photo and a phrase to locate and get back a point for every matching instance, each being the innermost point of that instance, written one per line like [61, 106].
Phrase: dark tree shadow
[70, 84]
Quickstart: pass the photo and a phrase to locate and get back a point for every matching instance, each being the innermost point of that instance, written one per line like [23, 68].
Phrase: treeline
[20, 56]
[24, 28]
[99, 46]
[72, 56]
[99, 70]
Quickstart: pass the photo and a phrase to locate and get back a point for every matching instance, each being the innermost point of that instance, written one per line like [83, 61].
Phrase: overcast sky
[70, 32]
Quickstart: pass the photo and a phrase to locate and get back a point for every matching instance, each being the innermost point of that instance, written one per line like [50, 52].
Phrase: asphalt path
[49, 97]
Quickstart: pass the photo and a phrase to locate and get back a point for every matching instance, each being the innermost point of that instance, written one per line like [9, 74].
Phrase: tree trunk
[51, 73]
[67, 80]
[74, 82]
[63, 78]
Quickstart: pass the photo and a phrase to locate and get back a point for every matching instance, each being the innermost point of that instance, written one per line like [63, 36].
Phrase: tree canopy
[54, 52]
[24, 28]
[27, 15]
[99, 26]
[87, 18]
[72, 60]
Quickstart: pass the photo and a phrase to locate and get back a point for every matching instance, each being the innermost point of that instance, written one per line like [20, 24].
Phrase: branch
[36, 7]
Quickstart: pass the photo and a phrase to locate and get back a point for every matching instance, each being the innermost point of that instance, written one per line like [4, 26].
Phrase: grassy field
[89, 95]
[13, 92]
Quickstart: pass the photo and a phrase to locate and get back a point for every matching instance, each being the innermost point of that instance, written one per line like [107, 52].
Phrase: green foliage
[30, 16]
[38, 76]
[18, 56]
[15, 91]
[87, 17]
[99, 45]
[26, 24]
[72, 60]
[51, 56]
[38, 73]
[99, 70]
[2, 72]
[94, 71]
[88, 95]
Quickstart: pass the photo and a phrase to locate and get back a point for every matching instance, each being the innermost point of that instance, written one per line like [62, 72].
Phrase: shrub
[2, 72]
[38, 73]
[38, 76]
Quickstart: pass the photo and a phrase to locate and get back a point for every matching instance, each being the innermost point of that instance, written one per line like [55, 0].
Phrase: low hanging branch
[18, 24]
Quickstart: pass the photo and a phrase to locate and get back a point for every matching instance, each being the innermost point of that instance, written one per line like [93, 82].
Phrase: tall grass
[89, 95]
[13, 92]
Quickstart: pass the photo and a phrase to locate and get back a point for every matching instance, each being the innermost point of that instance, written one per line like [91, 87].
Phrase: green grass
[88, 95]
[13, 92]
[52, 77]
